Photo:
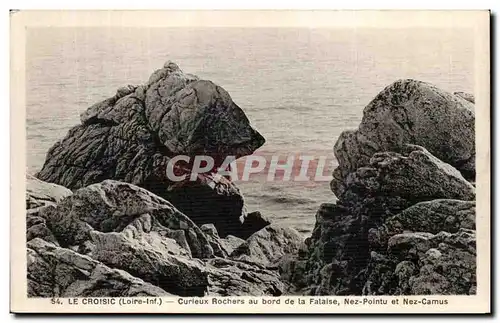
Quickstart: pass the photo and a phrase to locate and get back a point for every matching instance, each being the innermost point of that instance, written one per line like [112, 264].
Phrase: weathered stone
[252, 222]
[132, 136]
[409, 245]
[233, 278]
[411, 112]
[450, 269]
[224, 209]
[269, 245]
[380, 278]
[230, 243]
[154, 258]
[60, 272]
[435, 216]
[415, 175]
[466, 96]
[111, 206]
[393, 196]
[40, 193]
[215, 241]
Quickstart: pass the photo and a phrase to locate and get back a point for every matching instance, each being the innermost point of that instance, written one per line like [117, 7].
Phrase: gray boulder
[152, 257]
[60, 272]
[40, 193]
[111, 206]
[435, 216]
[268, 246]
[128, 241]
[133, 135]
[411, 112]
[235, 278]
[402, 182]
[414, 175]
[424, 264]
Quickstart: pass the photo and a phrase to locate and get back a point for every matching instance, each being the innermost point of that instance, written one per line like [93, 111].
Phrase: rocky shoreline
[104, 220]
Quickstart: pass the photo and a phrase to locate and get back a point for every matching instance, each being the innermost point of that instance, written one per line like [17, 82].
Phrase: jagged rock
[416, 175]
[133, 135]
[60, 272]
[423, 263]
[293, 269]
[111, 206]
[435, 216]
[215, 241]
[154, 258]
[36, 227]
[410, 245]
[230, 243]
[381, 277]
[233, 278]
[466, 96]
[224, 210]
[39, 193]
[411, 112]
[345, 233]
[252, 222]
[394, 195]
[268, 246]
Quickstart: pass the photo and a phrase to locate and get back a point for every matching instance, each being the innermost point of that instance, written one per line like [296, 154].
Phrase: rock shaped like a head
[134, 135]
[198, 117]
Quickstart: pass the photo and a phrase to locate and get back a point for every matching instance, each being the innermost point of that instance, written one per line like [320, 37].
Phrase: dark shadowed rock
[268, 246]
[205, 207]
[133, 135]
[230, 243]
[403, 199]
[411, 112]
[60, 272]
[36, 227]
[252, 222]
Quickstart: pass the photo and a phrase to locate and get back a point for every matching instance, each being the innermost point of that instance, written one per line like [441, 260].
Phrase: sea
[300, 88]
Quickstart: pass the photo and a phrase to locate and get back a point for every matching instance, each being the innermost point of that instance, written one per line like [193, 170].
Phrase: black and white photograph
[209, 164]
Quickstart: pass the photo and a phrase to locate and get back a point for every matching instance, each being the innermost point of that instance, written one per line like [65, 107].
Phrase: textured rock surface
[153, 258]
[40, 193]
[435, 216]
[404, 222]
[268, 246]
[423, 264]
[411, 112]
[405, 217]
[110, 206]
[413, 175]
[132, 136]
[466, 96]
[233, 278]
[60, 272]
[117, 239]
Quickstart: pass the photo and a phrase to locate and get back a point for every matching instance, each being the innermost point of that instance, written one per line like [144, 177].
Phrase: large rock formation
[133, 135]
[60, 272]
[410, 112]
[404, 222]
[117, 239]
